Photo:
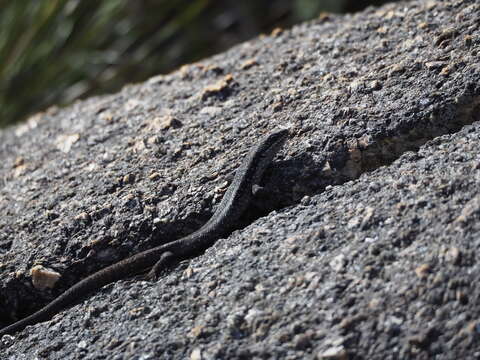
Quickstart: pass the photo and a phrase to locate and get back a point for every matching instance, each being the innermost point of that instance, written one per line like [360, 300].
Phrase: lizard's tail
[92, 282]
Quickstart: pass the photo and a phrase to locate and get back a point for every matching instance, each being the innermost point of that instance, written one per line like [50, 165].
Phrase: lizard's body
[234, 202]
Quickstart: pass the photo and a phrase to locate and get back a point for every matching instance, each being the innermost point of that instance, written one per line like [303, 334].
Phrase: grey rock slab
[370, 252]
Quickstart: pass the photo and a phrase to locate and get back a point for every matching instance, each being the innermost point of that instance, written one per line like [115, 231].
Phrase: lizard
[235, 201]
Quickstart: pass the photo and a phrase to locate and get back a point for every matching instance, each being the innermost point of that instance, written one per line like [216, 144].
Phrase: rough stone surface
[364, 246]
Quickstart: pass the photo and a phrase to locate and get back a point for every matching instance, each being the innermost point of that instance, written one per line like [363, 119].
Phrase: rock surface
[364, 246]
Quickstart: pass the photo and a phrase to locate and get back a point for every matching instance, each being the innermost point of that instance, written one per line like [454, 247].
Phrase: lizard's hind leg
[165, 260]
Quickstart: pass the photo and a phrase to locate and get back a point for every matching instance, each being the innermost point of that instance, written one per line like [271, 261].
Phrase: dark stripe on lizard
[234, 202]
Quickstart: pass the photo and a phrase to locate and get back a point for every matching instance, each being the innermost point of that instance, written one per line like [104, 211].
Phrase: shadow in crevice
[344, 159]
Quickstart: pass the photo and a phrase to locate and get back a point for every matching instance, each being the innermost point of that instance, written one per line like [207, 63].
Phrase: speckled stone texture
[363, 245]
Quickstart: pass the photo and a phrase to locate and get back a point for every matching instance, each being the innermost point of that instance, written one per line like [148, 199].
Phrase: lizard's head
[264, 152]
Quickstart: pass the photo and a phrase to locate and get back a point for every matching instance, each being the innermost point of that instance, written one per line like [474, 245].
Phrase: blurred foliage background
[55, 51]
